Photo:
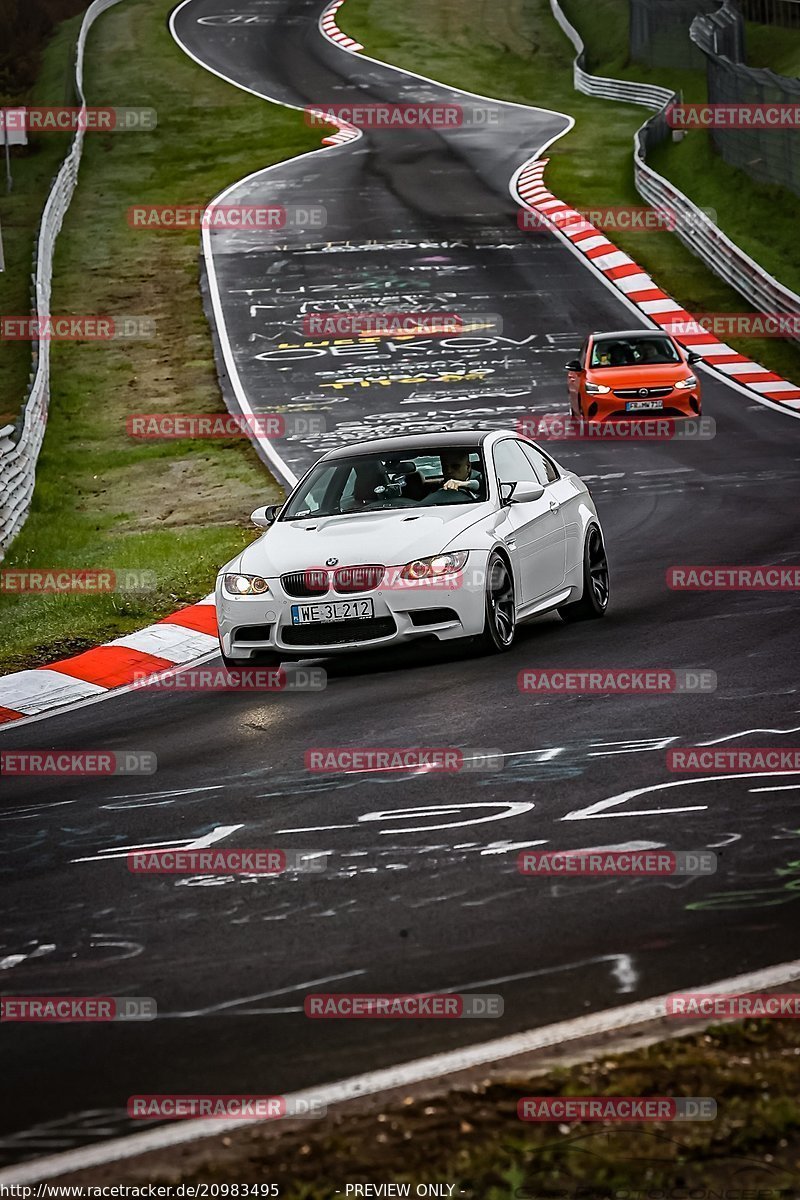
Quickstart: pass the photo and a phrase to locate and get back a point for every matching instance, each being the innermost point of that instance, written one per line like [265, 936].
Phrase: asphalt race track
[422, 891]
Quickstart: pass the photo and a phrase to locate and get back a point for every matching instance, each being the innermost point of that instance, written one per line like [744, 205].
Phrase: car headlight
[593, 388]
[688, 382]
[435, 566]
[245, 585]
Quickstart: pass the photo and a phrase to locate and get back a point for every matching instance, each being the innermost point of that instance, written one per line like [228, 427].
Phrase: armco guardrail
[695, 229]
[769, 155]
[622, 90]
[20, 443]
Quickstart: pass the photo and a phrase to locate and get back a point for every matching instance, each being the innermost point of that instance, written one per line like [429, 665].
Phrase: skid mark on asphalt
[13, 960]
[26, 811]
[622, 969]
[92, 1124]
[233, 1007]
[729, 737]
[218, 834]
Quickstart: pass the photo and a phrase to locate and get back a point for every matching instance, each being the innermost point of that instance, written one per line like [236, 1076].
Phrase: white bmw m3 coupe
[447, 536]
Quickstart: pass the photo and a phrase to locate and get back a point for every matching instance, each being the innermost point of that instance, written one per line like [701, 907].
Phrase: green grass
[177, 508]
[774, 47]
[517, 52]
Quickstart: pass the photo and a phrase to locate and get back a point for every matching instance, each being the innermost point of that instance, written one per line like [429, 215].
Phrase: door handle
[554, 506]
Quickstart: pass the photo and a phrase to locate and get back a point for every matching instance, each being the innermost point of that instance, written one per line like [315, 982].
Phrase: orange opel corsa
[632, 372]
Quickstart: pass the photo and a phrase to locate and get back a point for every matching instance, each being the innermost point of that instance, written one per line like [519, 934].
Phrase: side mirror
[573, 365]
[693, 358]
[262, 518]
[520, 493]
[524, 493]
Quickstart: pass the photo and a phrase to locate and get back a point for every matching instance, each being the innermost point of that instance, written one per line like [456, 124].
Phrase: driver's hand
[453, 484]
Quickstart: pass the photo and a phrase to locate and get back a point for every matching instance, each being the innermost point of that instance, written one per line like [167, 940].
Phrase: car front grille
[336, 633]
[316, 581]
[651, 393]
[358, 579]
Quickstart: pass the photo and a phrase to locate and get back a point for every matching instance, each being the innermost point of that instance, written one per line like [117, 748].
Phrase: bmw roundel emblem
[331, 562]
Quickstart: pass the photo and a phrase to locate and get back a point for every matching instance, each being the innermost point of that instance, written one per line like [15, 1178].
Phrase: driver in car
[456, 469]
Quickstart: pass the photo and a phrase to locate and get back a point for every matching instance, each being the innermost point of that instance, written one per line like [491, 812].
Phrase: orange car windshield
[633, 352]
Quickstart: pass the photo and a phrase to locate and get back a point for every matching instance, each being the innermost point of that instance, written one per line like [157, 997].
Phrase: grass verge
[103, 501]
[472, 1139]
[517, 52]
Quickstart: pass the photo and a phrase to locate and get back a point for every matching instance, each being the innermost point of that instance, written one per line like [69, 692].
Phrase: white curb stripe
[660, 306]
[591, 240]
[617, 259]
[777, 385]
[174, 642]
[741, 368]
[33, 691]
[714, 350]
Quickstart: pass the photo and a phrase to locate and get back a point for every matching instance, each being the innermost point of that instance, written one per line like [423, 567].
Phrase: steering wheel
[447, 496]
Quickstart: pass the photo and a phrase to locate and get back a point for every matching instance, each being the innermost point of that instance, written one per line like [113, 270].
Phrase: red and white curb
[332, 31]
[639, 288]
[328, 26]
[347, 133]
[176, 641]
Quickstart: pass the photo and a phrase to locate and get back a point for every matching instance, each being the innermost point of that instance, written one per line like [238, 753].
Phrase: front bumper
[249, 625]
[677, 404]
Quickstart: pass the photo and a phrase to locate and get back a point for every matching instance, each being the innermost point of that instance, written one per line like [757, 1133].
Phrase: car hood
[643, 375]
[388, 538]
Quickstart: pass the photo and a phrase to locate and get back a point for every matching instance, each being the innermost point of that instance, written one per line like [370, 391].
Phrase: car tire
[263, 660]
[500, 614]
[593, 603]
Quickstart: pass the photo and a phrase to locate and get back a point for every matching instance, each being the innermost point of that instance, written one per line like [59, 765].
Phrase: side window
[315, 497]
[512, 465]
[347, 499]
[545, 470]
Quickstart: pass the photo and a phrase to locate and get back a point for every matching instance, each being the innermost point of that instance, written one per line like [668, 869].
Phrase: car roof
[468, 438]
[631, 333]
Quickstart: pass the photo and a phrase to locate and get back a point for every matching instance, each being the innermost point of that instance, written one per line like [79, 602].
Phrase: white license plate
[336, 610]
[643, 405]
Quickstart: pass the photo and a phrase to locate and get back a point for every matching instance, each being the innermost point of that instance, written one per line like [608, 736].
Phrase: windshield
[633, 352]
[370, 483]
